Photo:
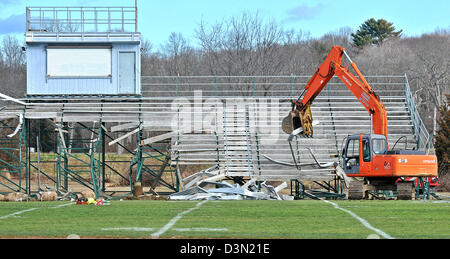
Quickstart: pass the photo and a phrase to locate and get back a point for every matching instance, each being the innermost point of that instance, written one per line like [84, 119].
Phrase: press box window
[79, 62]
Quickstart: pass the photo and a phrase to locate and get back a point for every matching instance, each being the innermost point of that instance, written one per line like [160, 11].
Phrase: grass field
[225, 219]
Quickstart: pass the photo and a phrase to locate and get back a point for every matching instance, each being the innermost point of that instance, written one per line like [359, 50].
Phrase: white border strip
[175, 219]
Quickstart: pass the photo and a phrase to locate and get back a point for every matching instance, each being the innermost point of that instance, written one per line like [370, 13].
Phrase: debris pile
[209, 190]
[91, 201]
[51, 194]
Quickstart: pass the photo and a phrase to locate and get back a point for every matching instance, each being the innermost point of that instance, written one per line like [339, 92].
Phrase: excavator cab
[359, 150]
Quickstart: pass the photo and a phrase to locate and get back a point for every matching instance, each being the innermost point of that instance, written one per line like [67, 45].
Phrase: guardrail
[423, 138]
[256, 86]
[81, 19]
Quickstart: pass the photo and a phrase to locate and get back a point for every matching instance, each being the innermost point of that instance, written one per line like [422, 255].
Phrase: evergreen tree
[374, 32]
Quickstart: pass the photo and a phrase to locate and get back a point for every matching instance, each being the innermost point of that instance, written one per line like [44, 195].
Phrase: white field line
[62, 205]
[17, 213]
[175, 219]
[363, 221]
[23, 211]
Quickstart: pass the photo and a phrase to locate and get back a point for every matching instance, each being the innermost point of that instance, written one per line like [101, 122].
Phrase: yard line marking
[175, 219]
[17, 213]
[363, 221]
[63, 205]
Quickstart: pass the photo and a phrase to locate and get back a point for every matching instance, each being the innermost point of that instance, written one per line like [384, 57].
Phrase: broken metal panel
[225, 191]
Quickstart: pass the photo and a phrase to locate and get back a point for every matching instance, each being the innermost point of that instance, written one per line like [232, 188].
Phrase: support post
[138, 156]
[103, 146]
[66, 158]
[136, 10]
[22, 143]
[28, 158]
[39, 162]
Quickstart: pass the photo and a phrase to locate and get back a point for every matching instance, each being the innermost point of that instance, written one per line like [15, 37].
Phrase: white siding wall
[39, 84]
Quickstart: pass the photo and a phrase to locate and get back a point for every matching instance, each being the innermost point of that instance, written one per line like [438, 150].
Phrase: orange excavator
[364, 155]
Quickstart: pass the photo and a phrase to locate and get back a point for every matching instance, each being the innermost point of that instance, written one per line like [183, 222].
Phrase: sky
[159, 18]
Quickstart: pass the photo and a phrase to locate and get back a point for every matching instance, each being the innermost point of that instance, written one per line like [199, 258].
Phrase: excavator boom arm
[301, 116]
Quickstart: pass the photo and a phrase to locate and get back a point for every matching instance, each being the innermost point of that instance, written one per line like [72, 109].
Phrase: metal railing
[255, 86]
[81, 19]
[420, 131]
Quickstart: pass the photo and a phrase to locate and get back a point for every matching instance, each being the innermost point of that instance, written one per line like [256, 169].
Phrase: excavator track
[358, 190]
[405, 190]
[355, 190]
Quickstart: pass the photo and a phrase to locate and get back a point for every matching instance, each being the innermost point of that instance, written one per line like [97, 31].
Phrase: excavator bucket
[299, 119]
[290, 122]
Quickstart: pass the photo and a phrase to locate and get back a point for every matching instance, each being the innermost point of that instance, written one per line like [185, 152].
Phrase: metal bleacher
[234, 123]
[246, 135]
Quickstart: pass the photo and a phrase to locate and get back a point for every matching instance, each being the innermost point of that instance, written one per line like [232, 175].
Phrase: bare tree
[178, 55]
[146, 48]
[12, 67]
[243, 45]
[433, 66]
[12, 51]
